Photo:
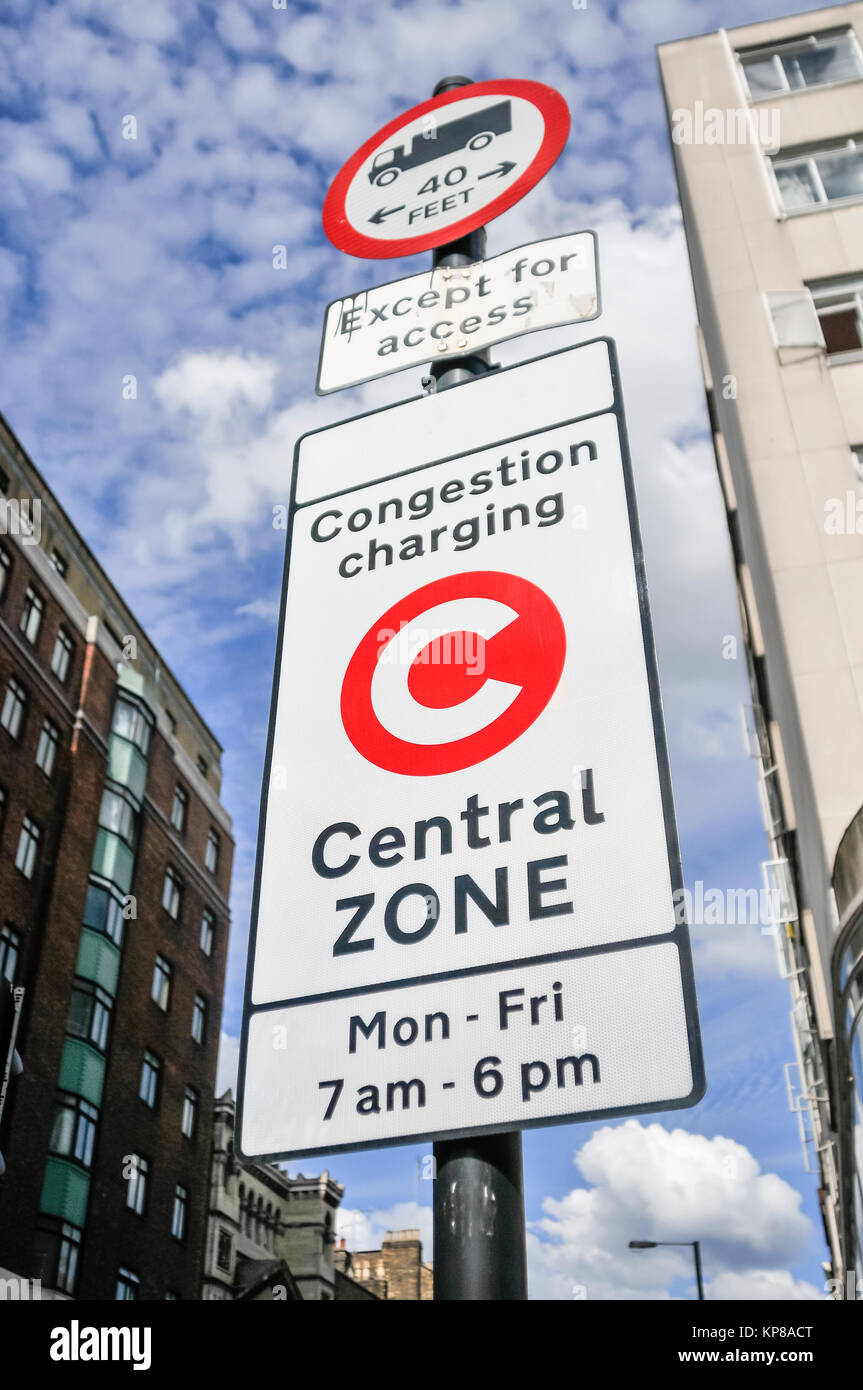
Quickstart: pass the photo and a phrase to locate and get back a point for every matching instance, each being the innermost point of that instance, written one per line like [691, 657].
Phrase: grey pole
[696, 1245]
[479, 1237]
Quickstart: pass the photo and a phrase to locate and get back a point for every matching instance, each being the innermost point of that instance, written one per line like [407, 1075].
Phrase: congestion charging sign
[465, 904]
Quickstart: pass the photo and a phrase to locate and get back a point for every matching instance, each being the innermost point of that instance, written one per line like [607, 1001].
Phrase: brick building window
[74, 1129]
[136, 1185]
[199, 1018]
[212, 852]
[128, 1286]
[208, 931]
[5, 569]
[31, 614]
[10, 949]
[178, 1214]
[58, 562]
[103, 911]
[14, 705]
[172, 893]
[179, 808]
[151, 1076]
[46, 751]
[190, 1112]
[131, 723]
[118, 814]
[61, 657]
[28, 848]
[223, 1252]
[161, 990]
[67, 1258]
[90, 1013]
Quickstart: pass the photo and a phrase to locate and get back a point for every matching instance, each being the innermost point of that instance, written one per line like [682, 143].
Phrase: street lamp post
[696, 1246]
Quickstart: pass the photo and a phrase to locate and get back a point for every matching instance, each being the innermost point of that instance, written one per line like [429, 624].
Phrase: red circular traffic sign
[445, 167]
[440, 670]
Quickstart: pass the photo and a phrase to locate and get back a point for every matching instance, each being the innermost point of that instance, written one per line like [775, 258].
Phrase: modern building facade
[767, 133]
[270, 1236]
[115, 864]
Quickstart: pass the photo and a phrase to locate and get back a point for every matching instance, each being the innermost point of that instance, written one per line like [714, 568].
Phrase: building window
[4, 482]
[136, 1184]
[46, 751]
[131, 723]
[117, 813]
[178, 1215]
[151, 1074]
[179, 808]
[172, 723]
[67, 1259]
[161, 991]
[128, 1286]
[28, 846]
[61, 658]
[817, 177]
[14, 705]
[212, 852]
[10, 949]
[90, 1013]
[203, 767]
[199, 1018]
[857, 455]
[31, 614]
[172, 893]
[5, 569]
[223, 1251]
[103, 911]
[74, 1129]
[811, 61]
[190, 1112]
[208, 931]
[58, 562]
[839, 306]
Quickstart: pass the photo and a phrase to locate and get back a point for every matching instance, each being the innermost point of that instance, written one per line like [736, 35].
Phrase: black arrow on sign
[502, 170]
[385, 212]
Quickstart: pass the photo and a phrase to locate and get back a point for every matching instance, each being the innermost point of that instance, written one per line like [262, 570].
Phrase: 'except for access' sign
[467, 902]
[452, 310]
[445, 167]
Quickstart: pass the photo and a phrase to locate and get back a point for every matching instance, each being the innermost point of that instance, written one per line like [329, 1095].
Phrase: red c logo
[426, 700]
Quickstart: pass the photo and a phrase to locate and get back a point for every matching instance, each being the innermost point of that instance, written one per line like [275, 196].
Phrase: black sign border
[679, 936]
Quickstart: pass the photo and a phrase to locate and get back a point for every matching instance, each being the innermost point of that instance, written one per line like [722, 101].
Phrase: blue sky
[153, 257]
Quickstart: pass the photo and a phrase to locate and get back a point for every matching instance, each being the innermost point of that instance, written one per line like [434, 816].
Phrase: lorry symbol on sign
[471, 132]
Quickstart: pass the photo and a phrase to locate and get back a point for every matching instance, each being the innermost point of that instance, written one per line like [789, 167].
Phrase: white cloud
[649, 1183]
[211, 385]
[365, 1230]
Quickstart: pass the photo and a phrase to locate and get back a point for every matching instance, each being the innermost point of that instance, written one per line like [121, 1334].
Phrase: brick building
[115, 864]
[395, 1272]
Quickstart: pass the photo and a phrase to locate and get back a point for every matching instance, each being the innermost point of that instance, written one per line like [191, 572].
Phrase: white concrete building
[766, 124]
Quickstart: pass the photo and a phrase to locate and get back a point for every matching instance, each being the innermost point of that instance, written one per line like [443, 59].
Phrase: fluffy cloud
[649, 1183]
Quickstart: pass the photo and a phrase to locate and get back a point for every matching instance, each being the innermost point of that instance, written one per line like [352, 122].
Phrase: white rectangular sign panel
[450, 310]
[465, 912]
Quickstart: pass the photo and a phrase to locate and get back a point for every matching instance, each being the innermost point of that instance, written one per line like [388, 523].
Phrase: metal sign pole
[479, 1235]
